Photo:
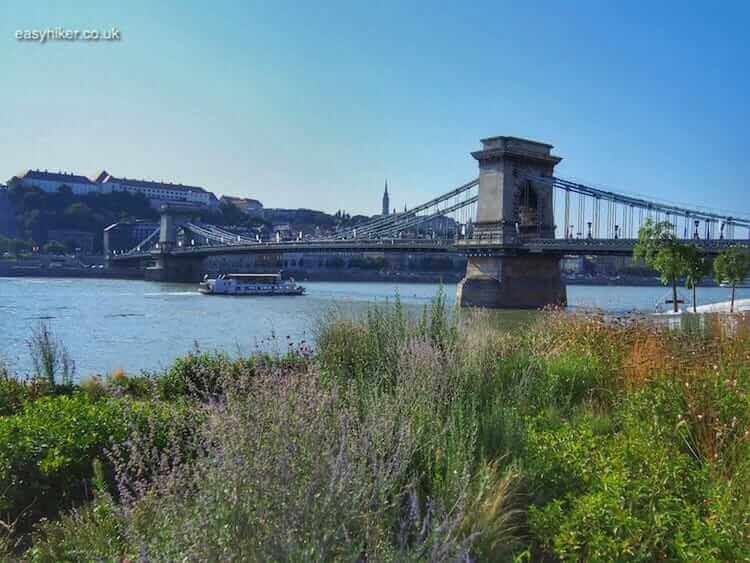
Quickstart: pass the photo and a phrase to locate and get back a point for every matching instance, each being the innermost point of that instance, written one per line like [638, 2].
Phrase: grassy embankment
[439, 438]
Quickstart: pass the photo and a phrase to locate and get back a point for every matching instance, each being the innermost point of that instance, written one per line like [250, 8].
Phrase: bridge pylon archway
[173, 216]
[514, 206]
[165, 267]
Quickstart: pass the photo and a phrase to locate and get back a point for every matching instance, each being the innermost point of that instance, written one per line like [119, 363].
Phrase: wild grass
[50, 356]
[434, 437]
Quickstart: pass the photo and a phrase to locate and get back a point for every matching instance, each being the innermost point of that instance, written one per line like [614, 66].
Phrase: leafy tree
[32, 222]
[54, 247]
[231, 214]
[79, 214]
[71, 246]
[15, 247]
[37, 212]
[662, 251]
[732, 266]
[697, 266]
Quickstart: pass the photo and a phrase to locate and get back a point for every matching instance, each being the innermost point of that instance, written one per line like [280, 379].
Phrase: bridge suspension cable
[145, 243]
[216, 234]
[622, 215]
[417, 220]
[374, 226]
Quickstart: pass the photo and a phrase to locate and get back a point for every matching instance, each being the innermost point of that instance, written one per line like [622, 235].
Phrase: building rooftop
[491, 140]
[104, 176]
[239, 200]
[54, 176]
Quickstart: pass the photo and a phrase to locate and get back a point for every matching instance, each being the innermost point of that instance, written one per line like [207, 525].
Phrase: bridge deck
[612, 247]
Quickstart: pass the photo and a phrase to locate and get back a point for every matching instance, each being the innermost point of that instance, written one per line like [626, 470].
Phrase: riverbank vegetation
[440, 437]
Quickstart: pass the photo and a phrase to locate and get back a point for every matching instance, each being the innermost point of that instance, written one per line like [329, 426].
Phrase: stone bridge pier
[514, 206]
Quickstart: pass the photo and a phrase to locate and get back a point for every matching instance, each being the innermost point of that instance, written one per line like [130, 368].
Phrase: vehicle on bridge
[250, 284]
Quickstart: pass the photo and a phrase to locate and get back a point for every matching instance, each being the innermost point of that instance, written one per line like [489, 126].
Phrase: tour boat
[249, 284]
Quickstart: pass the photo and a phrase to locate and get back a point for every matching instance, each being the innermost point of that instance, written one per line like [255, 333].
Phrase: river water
[135, 325]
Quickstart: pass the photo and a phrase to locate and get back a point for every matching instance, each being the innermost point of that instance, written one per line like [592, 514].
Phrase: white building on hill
[51, 182]
[156, 192]
[245, 204]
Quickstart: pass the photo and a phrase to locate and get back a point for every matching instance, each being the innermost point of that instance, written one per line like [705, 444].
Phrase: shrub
[93, 388]
[13, 393]
[570, 378]
[293, 472]
[626, 495]
[196, 374]
[136, 386]
[204, 375]
[95, 531]
[92, 532]
[46, 450]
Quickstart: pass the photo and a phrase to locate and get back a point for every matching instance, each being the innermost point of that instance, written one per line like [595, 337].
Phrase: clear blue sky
[314, 104]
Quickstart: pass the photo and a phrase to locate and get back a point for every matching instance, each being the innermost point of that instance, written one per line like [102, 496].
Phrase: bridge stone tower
[515, 205]
[165, 266]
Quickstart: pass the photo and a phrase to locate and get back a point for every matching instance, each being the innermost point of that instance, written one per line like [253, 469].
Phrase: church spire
[386, 200]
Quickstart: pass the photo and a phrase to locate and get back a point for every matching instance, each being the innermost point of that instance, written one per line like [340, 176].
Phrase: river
[135, 325]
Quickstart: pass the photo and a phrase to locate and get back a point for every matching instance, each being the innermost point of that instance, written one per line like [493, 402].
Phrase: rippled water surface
[108, 324]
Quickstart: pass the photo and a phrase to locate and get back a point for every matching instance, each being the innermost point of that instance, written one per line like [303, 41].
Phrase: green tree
[54, 247]
[662, 251]
[697, 266]
[14, 247]
[79, 215]
[32, 223]
[71, 246]
[732, 266]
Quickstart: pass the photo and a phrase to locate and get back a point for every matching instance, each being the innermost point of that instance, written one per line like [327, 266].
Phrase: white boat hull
[242, 285]
[241, 291]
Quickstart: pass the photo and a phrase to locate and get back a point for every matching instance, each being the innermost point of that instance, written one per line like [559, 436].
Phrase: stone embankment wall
[370, 266]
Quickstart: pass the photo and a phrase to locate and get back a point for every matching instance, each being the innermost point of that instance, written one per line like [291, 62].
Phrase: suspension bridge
[514, 223]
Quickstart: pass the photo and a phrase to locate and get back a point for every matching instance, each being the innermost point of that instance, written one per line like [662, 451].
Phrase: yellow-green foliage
[47, 449]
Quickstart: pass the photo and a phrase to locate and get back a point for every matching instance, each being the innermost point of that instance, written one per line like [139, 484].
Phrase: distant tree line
[14, 246]
[37, 212]
[307, 221]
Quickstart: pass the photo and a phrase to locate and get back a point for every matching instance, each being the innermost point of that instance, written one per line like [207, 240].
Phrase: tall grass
[50, 356]
[441, 437]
